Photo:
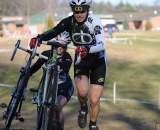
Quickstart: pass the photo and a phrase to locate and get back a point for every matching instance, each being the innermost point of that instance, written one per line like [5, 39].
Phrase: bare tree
[21, 7]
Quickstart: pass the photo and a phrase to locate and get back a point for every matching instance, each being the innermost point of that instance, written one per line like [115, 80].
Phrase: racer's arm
[99, 35]
[48, 35]
[37, 65]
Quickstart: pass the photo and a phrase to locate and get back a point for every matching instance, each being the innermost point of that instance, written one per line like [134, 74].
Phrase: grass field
[134, 67]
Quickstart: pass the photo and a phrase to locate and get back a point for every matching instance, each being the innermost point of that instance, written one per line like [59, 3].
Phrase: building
[137, 20]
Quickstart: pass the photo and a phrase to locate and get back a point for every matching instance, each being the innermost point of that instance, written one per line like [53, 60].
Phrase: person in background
[65, 86]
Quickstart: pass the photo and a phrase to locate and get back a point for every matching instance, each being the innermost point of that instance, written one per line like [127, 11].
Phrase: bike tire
[49, 118]
[52, 92]
[48, 115]
[14, 102]
[12, 112]
[39, 117]
[39, 105]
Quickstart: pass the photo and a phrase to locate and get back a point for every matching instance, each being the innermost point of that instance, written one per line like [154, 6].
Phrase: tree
[148, 26]
[50, 22]
[10, 7]
[20, 7]
[125, 7]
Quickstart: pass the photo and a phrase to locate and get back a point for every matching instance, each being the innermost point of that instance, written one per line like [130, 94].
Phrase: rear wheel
[11, 110]
[14, 102]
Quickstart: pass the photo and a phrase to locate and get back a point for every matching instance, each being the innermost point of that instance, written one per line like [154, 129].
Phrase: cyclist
[65, 86]
[87, 35]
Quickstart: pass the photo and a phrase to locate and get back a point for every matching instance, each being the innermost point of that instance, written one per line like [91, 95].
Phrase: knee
[82, 94]
[94, 101]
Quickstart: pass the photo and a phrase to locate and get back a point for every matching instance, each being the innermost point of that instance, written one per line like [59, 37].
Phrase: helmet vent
[83, 3]
[74, 3]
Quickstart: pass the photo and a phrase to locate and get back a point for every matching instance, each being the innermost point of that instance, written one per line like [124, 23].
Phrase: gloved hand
[32, 43]
[82, 51]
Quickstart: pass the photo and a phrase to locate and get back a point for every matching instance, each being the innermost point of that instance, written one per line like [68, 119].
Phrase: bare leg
[62, 101]
[82, 89]
[94, 97]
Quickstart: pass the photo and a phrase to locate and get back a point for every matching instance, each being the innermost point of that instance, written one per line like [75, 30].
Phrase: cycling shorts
[66, 89]
[93, 66]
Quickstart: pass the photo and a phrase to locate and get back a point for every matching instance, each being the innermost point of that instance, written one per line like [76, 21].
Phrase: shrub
[50, 22]
[148, 26]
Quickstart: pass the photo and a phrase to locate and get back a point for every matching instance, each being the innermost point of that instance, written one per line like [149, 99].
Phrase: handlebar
[53, 43]
[78, 59]
[36, 54]
[15, 49]
[32, 52]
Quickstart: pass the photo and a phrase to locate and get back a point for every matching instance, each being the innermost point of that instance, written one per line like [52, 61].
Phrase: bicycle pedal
[3, 105]
[4, 115]
[33, 90]
[21, 119]
[47, 103]
[34, 100]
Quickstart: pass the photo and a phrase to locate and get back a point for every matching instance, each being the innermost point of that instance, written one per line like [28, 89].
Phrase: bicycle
[46, 94]
[15, 104]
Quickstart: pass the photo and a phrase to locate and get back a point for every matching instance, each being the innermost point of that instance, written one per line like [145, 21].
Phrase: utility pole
[50, 16]
[28, 10]
[50, 7]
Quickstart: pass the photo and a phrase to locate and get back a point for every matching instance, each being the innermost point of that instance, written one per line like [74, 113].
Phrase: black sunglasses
[79, 12]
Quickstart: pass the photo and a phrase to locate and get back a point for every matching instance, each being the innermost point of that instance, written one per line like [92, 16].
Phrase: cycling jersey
[89, 33]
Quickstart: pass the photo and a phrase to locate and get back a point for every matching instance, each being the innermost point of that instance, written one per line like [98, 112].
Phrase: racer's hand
[32, 43]
[82, 51]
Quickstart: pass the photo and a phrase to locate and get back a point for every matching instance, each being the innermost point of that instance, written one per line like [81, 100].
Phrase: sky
[135, 2]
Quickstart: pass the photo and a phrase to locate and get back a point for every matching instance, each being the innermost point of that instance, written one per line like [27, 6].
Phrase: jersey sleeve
[60, 27]
[99, 36]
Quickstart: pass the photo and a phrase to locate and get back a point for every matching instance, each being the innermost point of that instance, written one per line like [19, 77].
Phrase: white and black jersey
[89, 33]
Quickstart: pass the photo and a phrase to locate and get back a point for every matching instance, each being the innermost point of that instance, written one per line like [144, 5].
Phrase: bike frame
[47, 109]
[15, 104]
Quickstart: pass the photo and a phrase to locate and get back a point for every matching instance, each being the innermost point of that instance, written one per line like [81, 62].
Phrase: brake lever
[78, 59]
[35, 49]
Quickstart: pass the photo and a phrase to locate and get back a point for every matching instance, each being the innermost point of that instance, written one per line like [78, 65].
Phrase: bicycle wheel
[49, 113]
[14, 102]
[49, 118]
[40, 105]
[53, 87]
[39, 117]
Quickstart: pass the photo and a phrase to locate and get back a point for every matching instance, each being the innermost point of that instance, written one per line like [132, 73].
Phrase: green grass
[135, 69]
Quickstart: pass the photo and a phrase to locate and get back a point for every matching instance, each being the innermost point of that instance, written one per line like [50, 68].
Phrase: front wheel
[47, 118]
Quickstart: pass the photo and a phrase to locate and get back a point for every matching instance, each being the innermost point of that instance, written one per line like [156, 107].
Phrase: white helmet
[80, 2]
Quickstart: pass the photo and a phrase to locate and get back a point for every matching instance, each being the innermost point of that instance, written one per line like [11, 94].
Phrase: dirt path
[108, 120]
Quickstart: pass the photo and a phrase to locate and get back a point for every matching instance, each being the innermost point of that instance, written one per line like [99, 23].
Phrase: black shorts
[94, 67]
[66, 89]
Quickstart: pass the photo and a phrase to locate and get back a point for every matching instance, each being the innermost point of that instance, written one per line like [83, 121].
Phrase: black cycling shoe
[60, 126]
[93, 127]
[82, 119]
[61, 129]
